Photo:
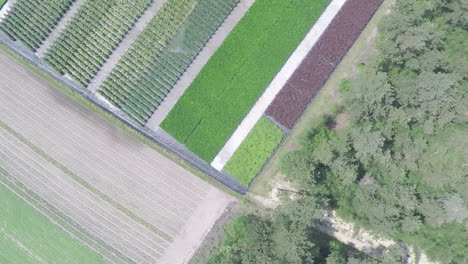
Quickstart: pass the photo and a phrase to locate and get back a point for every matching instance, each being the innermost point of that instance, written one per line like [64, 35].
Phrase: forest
[399, 164]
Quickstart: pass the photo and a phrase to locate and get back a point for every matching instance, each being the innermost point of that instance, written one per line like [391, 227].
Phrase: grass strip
[29, 237]
[250, 157]
[238, 73]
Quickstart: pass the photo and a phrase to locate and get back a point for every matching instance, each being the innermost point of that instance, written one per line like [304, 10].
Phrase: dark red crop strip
[321, 61]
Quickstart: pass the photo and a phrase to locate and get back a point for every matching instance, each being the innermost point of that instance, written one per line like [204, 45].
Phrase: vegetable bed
[92, 35]
[31, 21]
[249, 159]
[238, 73]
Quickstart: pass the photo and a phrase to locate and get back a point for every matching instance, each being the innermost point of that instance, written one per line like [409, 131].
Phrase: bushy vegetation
[400, 166]
[286, 236]
[31, 21]
[257, 147]
[23, 227]
[92, 35]
[237, 74]
[161, 54]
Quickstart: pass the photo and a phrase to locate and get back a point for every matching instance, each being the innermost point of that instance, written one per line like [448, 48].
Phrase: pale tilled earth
[128, 202]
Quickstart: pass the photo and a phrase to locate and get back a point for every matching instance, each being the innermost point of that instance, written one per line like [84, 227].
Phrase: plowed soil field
[114, 194]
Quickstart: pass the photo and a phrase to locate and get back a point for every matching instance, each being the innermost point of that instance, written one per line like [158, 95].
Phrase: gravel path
[59, 28]
[6, 8]
[211, 47]
[125, 44]
[275, 86]
[106, 180]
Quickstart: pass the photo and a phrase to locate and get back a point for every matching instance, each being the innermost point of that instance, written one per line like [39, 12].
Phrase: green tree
[455, 208]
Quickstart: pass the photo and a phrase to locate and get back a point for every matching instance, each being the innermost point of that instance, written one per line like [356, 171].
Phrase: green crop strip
[238, 73]
[249, 159]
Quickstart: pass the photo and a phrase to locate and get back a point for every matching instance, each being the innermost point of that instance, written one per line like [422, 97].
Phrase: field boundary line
[257, 111]
[57, 31]
[85, 184]
[197, 65]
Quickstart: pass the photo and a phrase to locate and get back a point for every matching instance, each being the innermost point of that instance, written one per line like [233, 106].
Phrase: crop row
[321, 61]
[162, 53]
[237, 74]
[31, 21]
[92, 35]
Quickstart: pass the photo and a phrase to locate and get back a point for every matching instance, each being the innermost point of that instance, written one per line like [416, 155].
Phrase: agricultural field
[26, 236]
[133, 55]
[31, 21]
[223, 93]
[254, 151]
[117, 195]
[92, 35]
[162, 53]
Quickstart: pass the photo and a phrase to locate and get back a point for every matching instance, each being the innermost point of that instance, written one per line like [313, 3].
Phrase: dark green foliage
[285, 236]
[279, 239]
[31, 21]
[400, 167]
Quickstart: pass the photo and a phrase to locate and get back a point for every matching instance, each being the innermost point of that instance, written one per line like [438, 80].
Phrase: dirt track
[120, 191]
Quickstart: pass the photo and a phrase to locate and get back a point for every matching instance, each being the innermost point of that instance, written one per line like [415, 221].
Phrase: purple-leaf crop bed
[321, 61]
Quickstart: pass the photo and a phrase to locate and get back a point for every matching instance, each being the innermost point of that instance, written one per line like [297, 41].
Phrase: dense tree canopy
[400, 166]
